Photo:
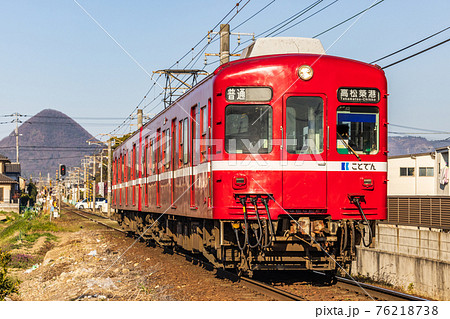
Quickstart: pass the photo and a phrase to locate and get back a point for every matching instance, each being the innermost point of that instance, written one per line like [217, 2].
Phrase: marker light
[305, 72]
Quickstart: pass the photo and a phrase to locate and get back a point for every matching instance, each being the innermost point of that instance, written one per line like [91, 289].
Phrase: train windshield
[304, 125]
[357, 130]
[248, 129]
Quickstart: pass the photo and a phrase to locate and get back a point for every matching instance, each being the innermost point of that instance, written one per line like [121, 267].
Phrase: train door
[158, 164]
[304, 152]
[127, 176]
[145, 169]
[173, 162]
[193, 151]
[133, 175]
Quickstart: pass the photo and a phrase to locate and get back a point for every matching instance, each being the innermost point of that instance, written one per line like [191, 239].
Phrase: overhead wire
[416, 128]
[348, 19]
[198, 43]
[281, 31]
[215, 35]
[296, 17]
[410, 46]
[310, 16]
[177, 62]
[275, 26]
[415, 54]
[254, 15]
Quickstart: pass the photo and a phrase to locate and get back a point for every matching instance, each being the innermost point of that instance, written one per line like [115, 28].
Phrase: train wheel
[330, 277]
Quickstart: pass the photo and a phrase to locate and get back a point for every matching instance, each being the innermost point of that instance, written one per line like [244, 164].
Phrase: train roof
[283, 45]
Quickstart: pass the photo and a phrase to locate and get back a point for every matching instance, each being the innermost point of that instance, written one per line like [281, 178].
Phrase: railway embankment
[73, 258]
[416, 259]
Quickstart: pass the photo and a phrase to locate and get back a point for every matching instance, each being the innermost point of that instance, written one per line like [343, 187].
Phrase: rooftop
[6, 180]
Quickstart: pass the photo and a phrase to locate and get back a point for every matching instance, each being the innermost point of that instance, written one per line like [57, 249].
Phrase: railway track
[77, 212]
[374, 292]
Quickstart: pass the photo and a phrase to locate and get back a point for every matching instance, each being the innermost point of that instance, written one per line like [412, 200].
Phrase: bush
[7, 285]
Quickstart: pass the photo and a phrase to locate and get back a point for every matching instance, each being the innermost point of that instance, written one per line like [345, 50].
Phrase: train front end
[299, 160]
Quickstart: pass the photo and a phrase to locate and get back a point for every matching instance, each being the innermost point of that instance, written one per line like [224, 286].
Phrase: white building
[442, 157]
[413, 174]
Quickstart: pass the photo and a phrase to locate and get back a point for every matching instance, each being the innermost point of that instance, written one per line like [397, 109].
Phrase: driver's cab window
[357, 130]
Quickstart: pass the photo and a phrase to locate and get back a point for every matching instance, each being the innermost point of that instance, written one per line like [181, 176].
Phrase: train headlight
[305, 72]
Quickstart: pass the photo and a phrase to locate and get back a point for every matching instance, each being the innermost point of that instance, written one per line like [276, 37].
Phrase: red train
[274, 161]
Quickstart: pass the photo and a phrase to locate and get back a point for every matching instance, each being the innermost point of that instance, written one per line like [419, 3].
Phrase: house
[420, 174]
[413, 174]
[9, 184]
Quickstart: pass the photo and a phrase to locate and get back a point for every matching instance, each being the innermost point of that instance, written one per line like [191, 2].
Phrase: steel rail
[377, 292]
[270, 290]
[96, 221]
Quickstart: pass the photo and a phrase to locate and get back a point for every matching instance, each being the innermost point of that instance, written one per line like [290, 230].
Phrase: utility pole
[139, 118]
[78, 184]
[224, 33]
[224, 43]
[109, 179]
[101, 170]
[86, 178]
[93, 187]
[17, 134]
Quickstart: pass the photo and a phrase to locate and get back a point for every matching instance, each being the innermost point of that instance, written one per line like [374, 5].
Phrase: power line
[409, 46]
[346, 20]
[254, 15]
[415, 54]
[49, 159]
[215, 35]
[311, 15]
[198, 43]
[296, 16]
[417, 128]
[418, 133]
[62, 117]
[275, 26]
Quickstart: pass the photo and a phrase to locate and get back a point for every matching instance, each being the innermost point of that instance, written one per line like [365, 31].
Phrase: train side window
[158, 150]
[304, 125]
[133, 163]
[357, 130]
[204, 123]
[153, 145]
[167, 149]
[203, 130]
[185, 141]
[180, 141]
[122, 167]
[248, 129]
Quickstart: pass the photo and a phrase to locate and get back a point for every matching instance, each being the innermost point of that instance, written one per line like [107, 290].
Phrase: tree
[32, 193]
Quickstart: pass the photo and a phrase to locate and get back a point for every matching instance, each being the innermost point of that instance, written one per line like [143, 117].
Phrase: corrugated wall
[424, 211]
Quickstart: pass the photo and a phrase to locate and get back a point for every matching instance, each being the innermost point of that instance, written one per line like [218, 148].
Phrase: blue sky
[55, 56]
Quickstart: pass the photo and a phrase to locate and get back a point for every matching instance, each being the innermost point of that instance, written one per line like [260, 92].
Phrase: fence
[424, 211]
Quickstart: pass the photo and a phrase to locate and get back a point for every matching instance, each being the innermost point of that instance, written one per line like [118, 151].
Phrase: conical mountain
[46, 140]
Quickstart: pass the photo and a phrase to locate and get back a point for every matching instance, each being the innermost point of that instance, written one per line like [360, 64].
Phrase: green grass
[24, 232]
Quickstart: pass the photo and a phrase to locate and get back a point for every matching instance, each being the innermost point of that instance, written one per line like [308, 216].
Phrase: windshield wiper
[349, 147]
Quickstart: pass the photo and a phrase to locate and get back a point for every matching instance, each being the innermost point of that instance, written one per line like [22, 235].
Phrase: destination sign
[248, 94]
[358, 95]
